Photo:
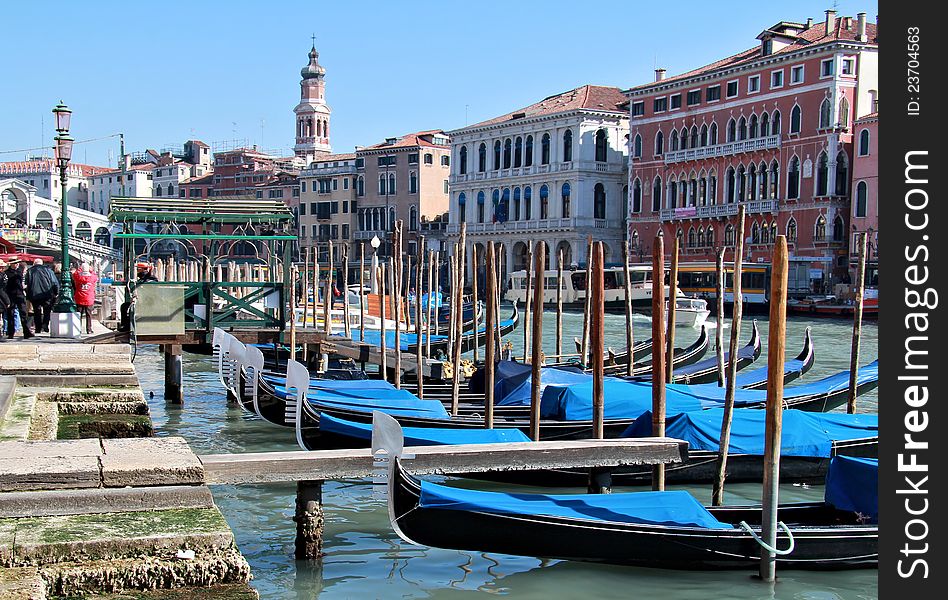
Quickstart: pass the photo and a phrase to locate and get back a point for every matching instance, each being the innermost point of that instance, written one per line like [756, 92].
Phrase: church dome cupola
[313, 70]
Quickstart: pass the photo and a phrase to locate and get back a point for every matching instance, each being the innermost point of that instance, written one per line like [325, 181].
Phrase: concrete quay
[89, 507]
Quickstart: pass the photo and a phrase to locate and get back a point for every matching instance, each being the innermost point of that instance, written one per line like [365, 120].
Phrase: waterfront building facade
[553, 171]
[865, 196]
[404, 178]
[134, 181]
[43, 174]
[327, 203]
[770, 128]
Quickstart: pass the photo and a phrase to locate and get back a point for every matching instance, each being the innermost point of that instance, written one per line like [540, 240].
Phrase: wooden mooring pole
[362, 295]
[396, 280]
[776, 350]
[584, 345]
[596, 341]
[345, 290]
[559, 305]
[474, 258]
[539, 257]
[672, 309]
[629, 335]
[419, 346]
[174, 374]
[383, 330]
[490, 358]
[658, 357]
[719, 329]
[857, 325]
[717, 494]
[293, 299]
[309, 519]
[432, 292]
[437, 291]
[458, 324]
[527, 304]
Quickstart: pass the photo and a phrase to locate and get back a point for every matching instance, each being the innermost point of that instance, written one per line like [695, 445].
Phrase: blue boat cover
[336, 384]
[674, 509]
[507, 394]
[374, 336]
[391, 401]
[507, 374]
[853, 484]
[425, 436]
[437, 300]
[804, 433]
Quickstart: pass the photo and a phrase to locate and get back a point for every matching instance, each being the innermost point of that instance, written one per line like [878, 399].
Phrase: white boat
[574, 287]
[690, 312]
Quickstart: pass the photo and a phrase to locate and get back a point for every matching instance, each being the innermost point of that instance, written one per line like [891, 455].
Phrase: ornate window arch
[636, 196]
[819, 229]
[568, 145]
[862, 199]
[793, 177]
[826, 114]
[659, 143]
[796, 119]
[482, 158]
[545, 149]
[462, 160]
[792, 230]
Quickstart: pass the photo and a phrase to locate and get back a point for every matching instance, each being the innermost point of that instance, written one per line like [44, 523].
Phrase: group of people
[27, 296]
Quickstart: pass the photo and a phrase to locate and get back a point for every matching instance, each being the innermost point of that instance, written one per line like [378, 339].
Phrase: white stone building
[136, 181]
[554, 171]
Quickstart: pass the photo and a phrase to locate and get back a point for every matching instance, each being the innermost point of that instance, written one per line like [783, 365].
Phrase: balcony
[718, 210]
[567, 224]
[754, 145]
[537, 169]
[368, 235]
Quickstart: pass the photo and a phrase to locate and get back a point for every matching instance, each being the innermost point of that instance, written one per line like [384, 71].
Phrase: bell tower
[312, 113]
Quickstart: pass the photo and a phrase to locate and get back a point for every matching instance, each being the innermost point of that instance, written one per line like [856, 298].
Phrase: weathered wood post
[596, 342]
[437, 291]
[490, 358]
[629, 335]
[584, 346]
[419, 347]
[453, 284]
[474, 258]
[362, 295]
[383, 329]
[293, 275]
[396, 281]
[527, 304]
[306, 292]
[174, 374]
[345, 290]
[559, 306]
[672, 297]
[309, 519]
[717, 497]
[431, 293]
[539, 256]
[327, 294]
[776, 350]
[658, 357]
[719, 330]
[458, 323]
[857, 325]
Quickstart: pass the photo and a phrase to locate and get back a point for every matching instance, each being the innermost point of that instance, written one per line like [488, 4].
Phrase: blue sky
[162, 73]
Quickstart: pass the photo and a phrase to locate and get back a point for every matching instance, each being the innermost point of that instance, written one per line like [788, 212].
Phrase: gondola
[650, 529]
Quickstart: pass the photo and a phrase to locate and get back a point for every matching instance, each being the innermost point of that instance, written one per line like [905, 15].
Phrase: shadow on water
[365, 559]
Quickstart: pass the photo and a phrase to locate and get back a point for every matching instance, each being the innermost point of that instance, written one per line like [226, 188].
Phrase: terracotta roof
[334, 157]
[47, 165]
[410, 140]
[870, 117]
[202, 180]
[815, 35]
[588, 97]
[199, 143]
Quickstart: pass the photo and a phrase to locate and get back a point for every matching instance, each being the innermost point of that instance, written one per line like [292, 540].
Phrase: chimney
[830, 21]
[809, 22]
[861, 27]
[659, 74]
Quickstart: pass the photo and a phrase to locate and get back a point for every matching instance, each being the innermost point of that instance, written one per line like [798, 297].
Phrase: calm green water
[365, 559]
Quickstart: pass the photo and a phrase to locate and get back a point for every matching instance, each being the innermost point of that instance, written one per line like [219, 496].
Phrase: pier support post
[600, 480]
[174, 374]
[309, 520]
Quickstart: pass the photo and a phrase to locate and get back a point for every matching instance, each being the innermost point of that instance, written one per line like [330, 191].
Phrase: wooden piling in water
[437, 291]
[717, 494]
[596, 339]
[776, 351]
[383, 330]
[458, 323]
[432, 292]
[309, 519]
[474, 295]
[528, 305]
[419, 346]
[452, 284]
[658, 357]
[327, 295]
[345, 290]
[629, 335]
[559, 305]
[305, 286]
[362, 295]
[174, 374]
[536, 360]
[587, 299]
[490, 358]
[857, 325]
[719, 330]
[672, 310]
[396, 278]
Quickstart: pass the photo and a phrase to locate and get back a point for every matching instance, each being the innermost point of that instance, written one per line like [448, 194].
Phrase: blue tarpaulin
[336, 384]
[507, 394]
[675, 509]
[437, 300]
[804, 433]
[425, 436]
[374, 336]
[853, 484]
[392, 401]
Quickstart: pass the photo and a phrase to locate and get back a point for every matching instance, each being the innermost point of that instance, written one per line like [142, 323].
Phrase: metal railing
[754, 145]
[537, 225]
[718, 210]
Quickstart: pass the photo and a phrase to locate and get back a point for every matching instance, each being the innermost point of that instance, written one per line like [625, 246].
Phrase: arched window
[729, 235]
[842, 174]
[360, 186]
[683, 145]
[158, 190]
[495, 205]
[704, 135]
[752, 177]
[391, 219]
[659, 144]
[496, 155]
[673, 140]
[413, 183]
[682, 190]
[731, 130]
[693, 191]
[462, 207]
[545, 149]
[634, 244]
[713, 188]
[413, 218]
[703, 191]
[822, 175]
[507, 148]
[637, 146]
[730, 186]
[694, 136]
[742, 128]
[762, 181]
[636, 196]
[764, 234]
[599, 201]
[170, 190]
[692, 238]
[820, 229]
[754, 127]
[429, 158]
[518, 152]
[793, 178]
[755, 233]
[544, 202]
[527, 203]
[741, 183]
[681, 238]
[701, 237]
[711, 236]
[713, 134]
[528, 155]
[764, 125]
[844, 112]
[774, 180]
[568, 145]
[672, 190]
[391, 184]
[601, 140]
[657, 194]
[826, 114]
[462, 167]
[796, 116]
[775, 123]
[839, 229]
[502, 210]
[516, 203]
[773, 232]
[792, 230]
[565, 198]
[482, 158]
[382, 182]
[319, 128]
[862, 199]
[864, 142]
[480, 206]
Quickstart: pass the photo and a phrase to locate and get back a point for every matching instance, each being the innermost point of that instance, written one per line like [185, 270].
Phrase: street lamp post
[65, 322]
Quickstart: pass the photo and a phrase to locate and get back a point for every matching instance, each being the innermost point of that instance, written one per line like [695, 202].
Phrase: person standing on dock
[42, 289]
[83, 282]
[17, 294]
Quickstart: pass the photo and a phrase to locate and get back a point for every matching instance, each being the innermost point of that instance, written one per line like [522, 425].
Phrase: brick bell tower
[312, 113]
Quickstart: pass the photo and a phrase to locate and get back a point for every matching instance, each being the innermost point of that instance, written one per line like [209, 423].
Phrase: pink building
[770, 128]
[865, 204]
